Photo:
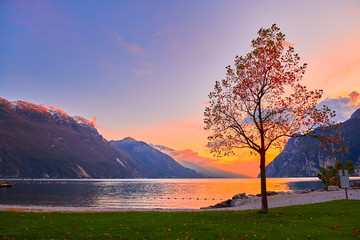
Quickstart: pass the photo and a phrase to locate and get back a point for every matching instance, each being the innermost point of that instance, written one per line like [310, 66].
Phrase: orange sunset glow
[149, 77]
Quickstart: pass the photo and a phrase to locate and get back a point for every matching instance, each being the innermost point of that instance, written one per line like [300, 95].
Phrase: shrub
[329, 176]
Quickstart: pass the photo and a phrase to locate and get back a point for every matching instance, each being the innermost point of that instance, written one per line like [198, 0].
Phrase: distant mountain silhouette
[294, 161]
[204, 171]
[211, 172]
[152, 162]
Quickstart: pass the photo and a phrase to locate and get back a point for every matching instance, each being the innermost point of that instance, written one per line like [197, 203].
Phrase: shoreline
[280, 200]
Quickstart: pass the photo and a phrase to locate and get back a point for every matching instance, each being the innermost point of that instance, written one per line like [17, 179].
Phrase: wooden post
[346, 194]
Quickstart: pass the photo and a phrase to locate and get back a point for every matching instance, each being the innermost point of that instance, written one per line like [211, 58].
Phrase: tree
[261, 103]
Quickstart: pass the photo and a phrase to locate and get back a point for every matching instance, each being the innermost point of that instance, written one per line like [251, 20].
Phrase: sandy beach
[279, 200]
[301, 199]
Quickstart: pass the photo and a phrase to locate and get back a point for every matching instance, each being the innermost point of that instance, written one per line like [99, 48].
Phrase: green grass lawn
[331, 220]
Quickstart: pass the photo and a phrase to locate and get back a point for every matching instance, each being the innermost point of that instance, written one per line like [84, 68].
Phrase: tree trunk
[264, 202]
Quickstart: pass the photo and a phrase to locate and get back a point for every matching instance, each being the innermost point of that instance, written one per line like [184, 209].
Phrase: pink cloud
[354, 98]
[288, 44]
[346, 70]
[206, 103]
[93, 122]
[190, 156]
[248, 168]
[134, 48]
[343, 106]
[352, 11]
[130, 47]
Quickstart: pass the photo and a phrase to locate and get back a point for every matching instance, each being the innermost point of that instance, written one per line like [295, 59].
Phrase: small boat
[5, 184]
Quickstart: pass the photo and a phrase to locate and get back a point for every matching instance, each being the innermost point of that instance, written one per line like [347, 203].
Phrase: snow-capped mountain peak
[162, 148]
[55, 112]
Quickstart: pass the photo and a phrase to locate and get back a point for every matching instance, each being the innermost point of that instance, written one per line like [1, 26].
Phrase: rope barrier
[109, 197]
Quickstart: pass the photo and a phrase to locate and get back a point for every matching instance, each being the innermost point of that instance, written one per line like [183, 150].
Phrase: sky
[144, 69]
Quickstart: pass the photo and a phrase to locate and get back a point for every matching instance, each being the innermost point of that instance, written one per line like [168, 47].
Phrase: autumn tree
[261, 102]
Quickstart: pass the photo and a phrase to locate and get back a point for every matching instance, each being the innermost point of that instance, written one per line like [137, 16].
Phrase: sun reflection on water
[142, 193]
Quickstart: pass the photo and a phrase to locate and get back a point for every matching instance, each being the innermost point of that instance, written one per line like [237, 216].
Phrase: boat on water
[5, 184]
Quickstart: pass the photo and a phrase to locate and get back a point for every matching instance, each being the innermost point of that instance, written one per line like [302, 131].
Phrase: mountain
[204, 171]
[211, 172]
[152, 162]
[39, 141]
[294, 161]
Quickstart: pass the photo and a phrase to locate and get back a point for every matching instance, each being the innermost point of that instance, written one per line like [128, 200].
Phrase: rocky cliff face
[295, 161]
[152, 162]
[39, 141]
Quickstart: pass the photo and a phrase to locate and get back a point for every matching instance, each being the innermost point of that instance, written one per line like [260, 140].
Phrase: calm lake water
[141, 193]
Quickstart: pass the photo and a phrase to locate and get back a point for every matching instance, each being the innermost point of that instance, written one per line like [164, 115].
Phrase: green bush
[329, 176]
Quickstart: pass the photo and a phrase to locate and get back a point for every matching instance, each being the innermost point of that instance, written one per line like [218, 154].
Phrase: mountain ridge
[205, 171]
[145, 155]
[38, 141]
[304, 157]
[57, 113]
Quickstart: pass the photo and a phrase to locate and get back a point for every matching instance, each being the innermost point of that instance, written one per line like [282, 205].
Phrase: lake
[141, 193]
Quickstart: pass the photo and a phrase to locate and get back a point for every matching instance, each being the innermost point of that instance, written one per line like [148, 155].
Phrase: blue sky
[145, 68]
